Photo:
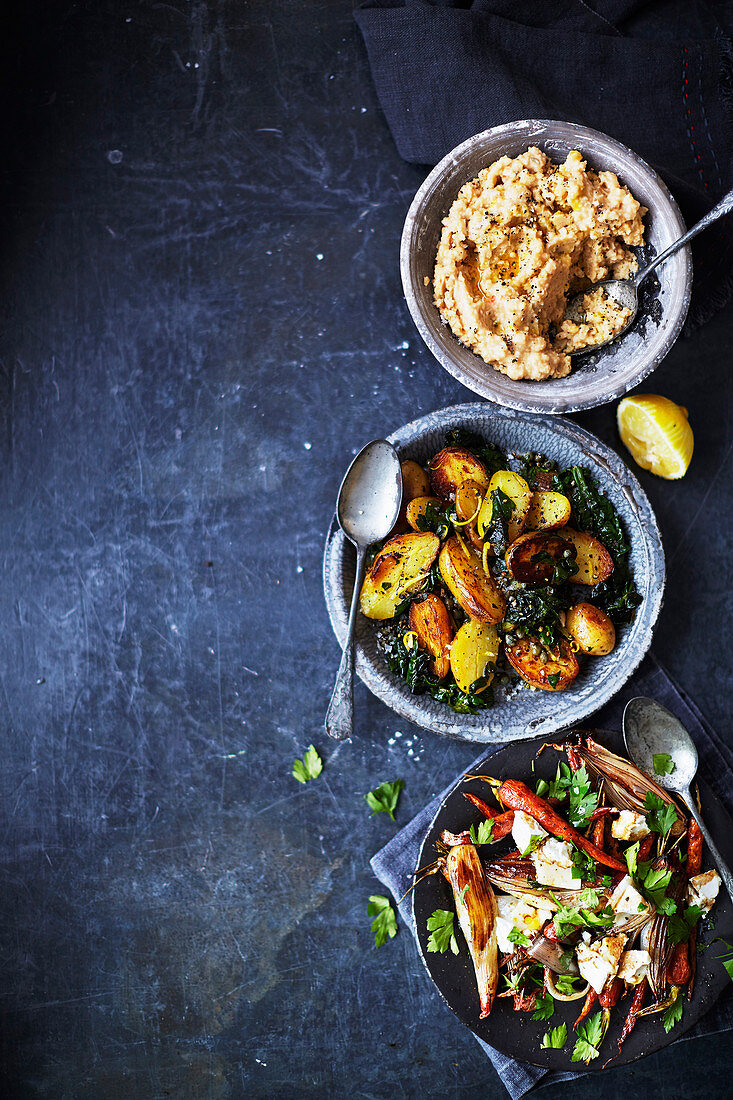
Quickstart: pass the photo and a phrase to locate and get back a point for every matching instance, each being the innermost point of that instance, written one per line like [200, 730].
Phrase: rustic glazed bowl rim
[490, 384]
[505, 722]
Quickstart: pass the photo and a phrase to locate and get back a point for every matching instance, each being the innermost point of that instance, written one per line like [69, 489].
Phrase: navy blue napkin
[655, 74]
[395, 863]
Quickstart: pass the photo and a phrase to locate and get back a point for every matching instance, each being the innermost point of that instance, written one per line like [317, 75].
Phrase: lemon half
[657, 433]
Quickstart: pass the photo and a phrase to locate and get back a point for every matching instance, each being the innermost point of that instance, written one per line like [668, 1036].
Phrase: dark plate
[515, 1033]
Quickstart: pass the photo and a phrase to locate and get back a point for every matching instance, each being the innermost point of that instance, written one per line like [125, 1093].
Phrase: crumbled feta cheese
[703, 889]
[629, 825]
[526, 832]
[553, 864]
[634, 967]
[626, 901]
[516, 913]
[598, 961]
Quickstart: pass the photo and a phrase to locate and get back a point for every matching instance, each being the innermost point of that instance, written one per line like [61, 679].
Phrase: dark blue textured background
[202, 321]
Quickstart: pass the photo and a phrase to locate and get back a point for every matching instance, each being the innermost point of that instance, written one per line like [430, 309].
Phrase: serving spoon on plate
[650, 729]
[625, 292]
[369, 503]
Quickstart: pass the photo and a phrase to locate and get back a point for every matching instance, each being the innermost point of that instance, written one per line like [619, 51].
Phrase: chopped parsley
[481, 834]
[310, 767]
[727, 959]
[442, 936]
[555, 1038]
[590, 1036]
[663, 763]
[384, 798]
[515, 936]
[681, 924]
[545, 1007]
[583, 800]
[660, 815]
[673, 1014]
[384, 925]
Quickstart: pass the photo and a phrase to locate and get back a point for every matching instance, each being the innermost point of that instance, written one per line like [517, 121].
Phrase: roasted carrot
[678, 967]
[601, 812]
[598, 833]
[517, 796]
[636, 1007]
[590, 1000]
[610, 994]
[694, 865]
[502, 822]
[645, 848]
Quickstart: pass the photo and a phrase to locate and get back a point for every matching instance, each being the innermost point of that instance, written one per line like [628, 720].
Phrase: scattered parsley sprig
[482, 834]
[590, 1036]
[310, 767]
[555, 1038]
[384, 925]
[384, 798]
[442, 936]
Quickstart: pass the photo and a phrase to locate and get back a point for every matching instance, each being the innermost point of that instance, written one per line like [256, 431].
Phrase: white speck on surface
[195, 64]
[362, 111]
[299, 569]
[211, 651]
[319, 255]
[405, 345]
[114, 156]
[307, 445]
[262, 469]
[397, 733]
[259, 1063]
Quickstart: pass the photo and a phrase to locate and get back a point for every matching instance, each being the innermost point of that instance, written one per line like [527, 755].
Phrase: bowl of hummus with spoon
[512, 224]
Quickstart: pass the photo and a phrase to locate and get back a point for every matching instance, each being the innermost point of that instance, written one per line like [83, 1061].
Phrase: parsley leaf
[584, 866]
[655, 882]
[660, 815]
[583, 801]
[581, 915]
[680, 925]
[515, 936]
[673, 1014]
[482, 834]
[631, 855]
[564, 983]
[590, 1037]
[384, 925]
[440, 926]
[309, 767]
[383, 799]
[553, 678]
[663, 763]
[727, 959]
[545, 1007]
[555, 1038]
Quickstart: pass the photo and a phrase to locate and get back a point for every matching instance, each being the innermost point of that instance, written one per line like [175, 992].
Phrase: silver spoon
[368, 505]
[625, 291]
[650, 728]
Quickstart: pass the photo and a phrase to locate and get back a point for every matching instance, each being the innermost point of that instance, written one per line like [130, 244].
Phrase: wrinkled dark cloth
[655, 74]
[394, 864]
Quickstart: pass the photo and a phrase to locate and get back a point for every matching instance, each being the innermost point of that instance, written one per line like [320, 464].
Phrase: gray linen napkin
[394, 863]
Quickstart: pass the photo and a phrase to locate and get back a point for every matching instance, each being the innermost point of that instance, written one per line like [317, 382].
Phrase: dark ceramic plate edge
[516, 1035]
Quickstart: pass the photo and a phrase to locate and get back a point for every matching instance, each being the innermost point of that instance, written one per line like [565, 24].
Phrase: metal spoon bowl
[626, 291]
[368, 506]
[649, 730]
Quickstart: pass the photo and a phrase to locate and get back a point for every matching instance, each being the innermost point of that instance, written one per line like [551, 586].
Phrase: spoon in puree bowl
[622, 295]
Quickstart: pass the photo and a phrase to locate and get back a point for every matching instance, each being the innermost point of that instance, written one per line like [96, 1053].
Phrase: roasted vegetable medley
[598, 897]
[500, 568]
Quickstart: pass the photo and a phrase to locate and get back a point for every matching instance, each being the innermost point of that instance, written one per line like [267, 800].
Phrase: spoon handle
[723, 207]
[725, 874]
[340, 713]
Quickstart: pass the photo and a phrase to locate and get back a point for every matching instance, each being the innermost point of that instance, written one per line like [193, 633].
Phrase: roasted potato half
[547, 510]
[415, 483]
[433, 625]
[469, 496]
[416, 509]
[475, 646]
[525, 656]
[531, 558]
[591, 629]
[518, 491]
[451, 467]
[594, 562]
[463, 573]
[397, 569]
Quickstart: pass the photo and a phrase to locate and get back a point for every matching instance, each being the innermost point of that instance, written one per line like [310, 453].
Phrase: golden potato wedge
[451, 467]
[469, 496]
[415, 482]
[397, 569]
[594, 562]
[433, 625]
[591, 629]
[531, 558]
[416, 509]
[556, 675]
[475, 646]
[518, 491]
[547, 510]
[463, 573]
